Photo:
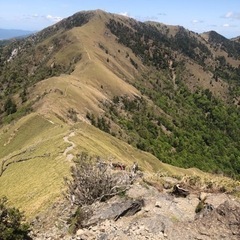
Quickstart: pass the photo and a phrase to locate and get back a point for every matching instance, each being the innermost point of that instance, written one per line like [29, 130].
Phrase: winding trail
[69, 156]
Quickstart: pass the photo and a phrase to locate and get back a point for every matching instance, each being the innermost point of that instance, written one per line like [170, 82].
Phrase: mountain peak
[213, 36]
[147, 85]
[236, 39]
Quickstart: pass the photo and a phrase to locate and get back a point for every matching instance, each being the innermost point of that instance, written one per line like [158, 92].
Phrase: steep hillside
[118, 88]
[236, 39]
[190, 113]
[224, 44]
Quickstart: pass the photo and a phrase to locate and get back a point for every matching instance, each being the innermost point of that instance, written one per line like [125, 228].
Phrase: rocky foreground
[162, 208]
[146, 212]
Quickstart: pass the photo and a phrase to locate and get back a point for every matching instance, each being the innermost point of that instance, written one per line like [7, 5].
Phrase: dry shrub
[92, 182]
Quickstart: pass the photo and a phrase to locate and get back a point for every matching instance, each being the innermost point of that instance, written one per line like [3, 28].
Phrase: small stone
[94, 229]
[158, 204]
[203, 196]
[80, 232]
[167, 185]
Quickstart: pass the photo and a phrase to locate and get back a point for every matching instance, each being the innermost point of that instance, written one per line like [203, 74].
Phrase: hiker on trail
[134, 168]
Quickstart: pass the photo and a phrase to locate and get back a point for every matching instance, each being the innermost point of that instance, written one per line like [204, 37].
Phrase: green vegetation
[152, 46]
[9, 106]
[27, 61]
[180, 127]
[163, 117]
[195, 129]
[11, 223]
[100, 122]
[146, 42]
[21, 68]
[231, 47]
[156, 48]
[75, 221]
[187, 44]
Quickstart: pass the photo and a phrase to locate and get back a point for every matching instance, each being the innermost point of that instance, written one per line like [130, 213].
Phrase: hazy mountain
[120, 89]
[236, 39]
[13, 33]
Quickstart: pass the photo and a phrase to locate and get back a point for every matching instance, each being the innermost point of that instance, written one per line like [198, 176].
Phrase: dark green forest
[180, 127]
[195, 130]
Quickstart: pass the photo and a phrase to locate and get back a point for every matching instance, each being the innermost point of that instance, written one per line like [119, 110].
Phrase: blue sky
[222, 16]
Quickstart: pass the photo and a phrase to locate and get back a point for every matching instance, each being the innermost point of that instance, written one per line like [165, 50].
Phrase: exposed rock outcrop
[146, 213]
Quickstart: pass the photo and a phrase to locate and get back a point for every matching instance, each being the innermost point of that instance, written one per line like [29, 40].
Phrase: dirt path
[88, 55]
[69, 156]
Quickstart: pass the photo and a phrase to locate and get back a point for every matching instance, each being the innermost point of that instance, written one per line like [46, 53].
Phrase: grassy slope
[94, 79]
[33, 184]
[40, 179]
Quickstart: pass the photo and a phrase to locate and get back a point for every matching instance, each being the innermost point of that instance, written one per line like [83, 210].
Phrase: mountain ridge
[123, 88]
[79, 31]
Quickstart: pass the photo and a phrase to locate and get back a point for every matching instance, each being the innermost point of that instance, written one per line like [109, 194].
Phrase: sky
[199, 16]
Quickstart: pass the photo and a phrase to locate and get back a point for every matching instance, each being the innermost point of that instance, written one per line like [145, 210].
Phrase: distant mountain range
[12, 33]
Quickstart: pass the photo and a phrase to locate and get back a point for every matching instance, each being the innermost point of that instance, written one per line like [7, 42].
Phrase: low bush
[93, 182]
[12, 225]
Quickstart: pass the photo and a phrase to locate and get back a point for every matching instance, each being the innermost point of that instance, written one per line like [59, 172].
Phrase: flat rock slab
[113, 210]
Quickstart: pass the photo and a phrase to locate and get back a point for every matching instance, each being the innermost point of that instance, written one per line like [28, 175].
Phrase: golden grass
[33, 184]
[23, 133]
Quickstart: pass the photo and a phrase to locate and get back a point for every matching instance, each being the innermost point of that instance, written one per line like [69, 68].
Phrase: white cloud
[226, 25]
[53, 18]
[48, 17]
[125, 14]
[228, 14]
[195, 21]
[232, 15]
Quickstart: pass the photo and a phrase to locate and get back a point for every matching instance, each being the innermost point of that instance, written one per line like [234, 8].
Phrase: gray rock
[164, 216]
[114, 209]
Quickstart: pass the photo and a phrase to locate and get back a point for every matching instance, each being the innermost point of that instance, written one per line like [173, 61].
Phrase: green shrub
[10, 107]
[75, 222]
[200, 207]
[12, 226]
